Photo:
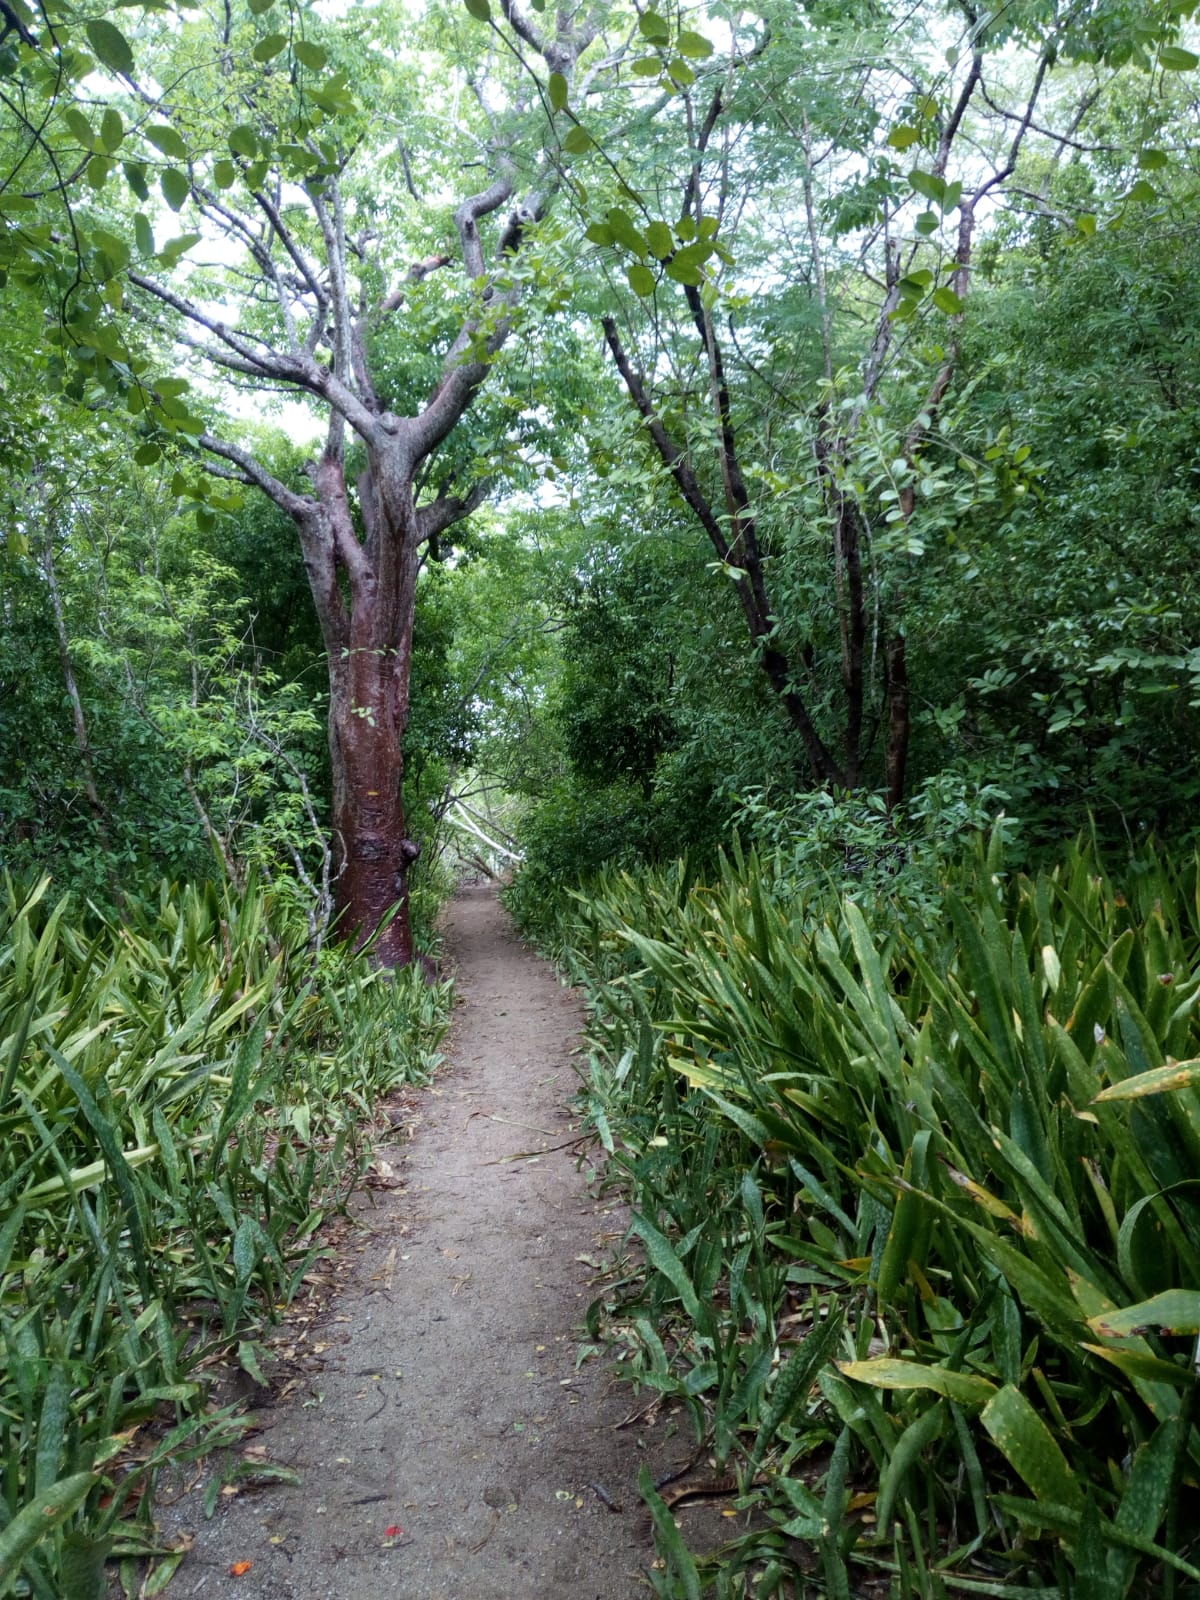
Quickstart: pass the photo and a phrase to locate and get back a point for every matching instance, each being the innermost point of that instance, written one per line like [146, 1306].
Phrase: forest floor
[456, 1436]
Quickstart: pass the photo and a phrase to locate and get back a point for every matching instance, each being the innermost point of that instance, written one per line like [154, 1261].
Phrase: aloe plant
[969, 1145]
[180, 1108]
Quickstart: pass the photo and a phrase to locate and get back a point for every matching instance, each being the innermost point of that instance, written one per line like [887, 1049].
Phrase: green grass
[182, 1098]
[919, 1204]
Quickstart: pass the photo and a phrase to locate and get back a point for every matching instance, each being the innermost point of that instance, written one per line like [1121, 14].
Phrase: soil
[455, 1435]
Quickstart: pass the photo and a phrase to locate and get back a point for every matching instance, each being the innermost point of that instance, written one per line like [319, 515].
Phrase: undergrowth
[182, 1098]
[919, 1216]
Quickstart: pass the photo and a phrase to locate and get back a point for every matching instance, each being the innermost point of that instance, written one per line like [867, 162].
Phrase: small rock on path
[450, 1407]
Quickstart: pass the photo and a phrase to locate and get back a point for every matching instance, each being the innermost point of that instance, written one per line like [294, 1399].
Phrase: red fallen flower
[393, 1532]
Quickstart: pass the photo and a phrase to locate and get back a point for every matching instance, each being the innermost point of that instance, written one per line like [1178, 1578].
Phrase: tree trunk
[372, 852]
[369, 647]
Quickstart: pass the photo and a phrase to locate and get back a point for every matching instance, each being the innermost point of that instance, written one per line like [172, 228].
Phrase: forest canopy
[754, 407]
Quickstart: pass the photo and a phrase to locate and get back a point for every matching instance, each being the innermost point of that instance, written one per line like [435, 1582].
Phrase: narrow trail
[449, 1449]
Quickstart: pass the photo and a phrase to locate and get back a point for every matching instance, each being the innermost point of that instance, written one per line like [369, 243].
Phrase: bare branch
[442, 513]
[251, 470]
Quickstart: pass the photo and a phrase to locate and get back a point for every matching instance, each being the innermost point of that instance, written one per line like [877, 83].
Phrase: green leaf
[109, 45]
[135, 177]
[479, 9]
[310, 55]
[113, 247]
[1174, 1311]
[267, 49]
[1160, 1080]
[641, 280]
[663, 1259]
[1153, 160]
[654, 27]
[81, 1571]
[559, 91]
[577, 141]
[147, 454]
[37, 1520]
[169, 255]
[625, 232]
[257, 7]
[175, 187]
[167, 139]
[685, 272]
[915, 1439]
[946, 300]
[885, 1372]
[243, 140]
[679, 72]
[112, 129]
[796, 1377]
[660, 239]
[224, 174]
[927, 223]
[1175, 59]
[903, 137]
[52, 1427]
[694, 45]
[925, 184]
[143, 234]
[1030, 1448]
[669, 1538]
[599, 233]
[80, 127]
[646, 67]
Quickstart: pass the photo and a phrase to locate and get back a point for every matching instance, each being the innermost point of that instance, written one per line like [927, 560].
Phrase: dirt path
[449, 1406]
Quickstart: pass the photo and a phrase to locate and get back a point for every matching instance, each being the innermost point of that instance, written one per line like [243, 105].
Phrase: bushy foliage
[915, 1207]
[185, 1098]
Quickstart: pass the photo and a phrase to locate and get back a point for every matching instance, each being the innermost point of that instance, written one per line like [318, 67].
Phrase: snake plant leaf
[1173, 1311]
[36, 1520]
[886, 1372]
[1160, 1080]
[1030, 1448]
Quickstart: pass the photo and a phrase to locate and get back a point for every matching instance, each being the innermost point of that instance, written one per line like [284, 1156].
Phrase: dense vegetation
[739, 460]
[915, 1194]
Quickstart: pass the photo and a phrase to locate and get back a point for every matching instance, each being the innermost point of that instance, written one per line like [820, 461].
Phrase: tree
[314, 243]
[843, 167]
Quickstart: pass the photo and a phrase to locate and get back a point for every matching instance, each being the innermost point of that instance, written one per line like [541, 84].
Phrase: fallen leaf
[240, 1568]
